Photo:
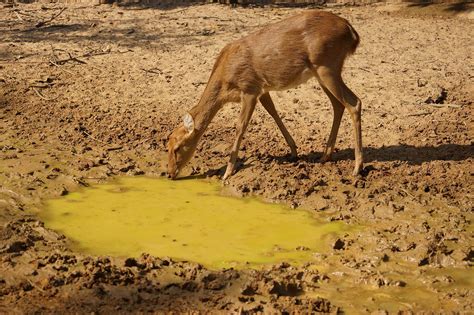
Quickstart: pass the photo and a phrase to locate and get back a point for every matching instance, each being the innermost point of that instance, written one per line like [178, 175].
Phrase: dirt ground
[93, 93]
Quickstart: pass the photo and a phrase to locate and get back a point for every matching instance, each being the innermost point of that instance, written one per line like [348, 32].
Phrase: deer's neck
[207, 108]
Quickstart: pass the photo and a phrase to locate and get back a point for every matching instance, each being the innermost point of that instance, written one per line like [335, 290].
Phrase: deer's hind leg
[338, 111]
[330, 78]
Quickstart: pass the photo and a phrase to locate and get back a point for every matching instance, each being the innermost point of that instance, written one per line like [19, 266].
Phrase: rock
[469, 256]
[249, 289]
[17, 246]
[126, 168]
[191, 286]
[339, 244]
[282, 288]
[131, 262]
[63, 191]
[214, 282]
[302, 248]
[359, 183]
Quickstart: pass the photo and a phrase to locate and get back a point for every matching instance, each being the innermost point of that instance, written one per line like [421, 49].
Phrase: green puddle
[186, 220]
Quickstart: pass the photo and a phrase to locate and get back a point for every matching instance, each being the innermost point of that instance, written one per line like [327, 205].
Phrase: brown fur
[276, 57]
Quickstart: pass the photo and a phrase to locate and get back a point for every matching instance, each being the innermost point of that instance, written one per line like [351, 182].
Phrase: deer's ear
[188, 123]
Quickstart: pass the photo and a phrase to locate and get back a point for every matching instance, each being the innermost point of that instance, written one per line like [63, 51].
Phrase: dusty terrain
[94, 92]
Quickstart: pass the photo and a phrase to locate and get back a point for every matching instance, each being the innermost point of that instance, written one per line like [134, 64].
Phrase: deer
[277, 57]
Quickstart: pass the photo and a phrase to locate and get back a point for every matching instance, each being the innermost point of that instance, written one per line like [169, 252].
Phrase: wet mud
[95, 92]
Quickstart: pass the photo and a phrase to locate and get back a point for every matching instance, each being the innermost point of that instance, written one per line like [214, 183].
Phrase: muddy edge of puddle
[111, 116]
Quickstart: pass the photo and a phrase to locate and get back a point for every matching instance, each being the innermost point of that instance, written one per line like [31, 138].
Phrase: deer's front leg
[268, 104]
[248, 105]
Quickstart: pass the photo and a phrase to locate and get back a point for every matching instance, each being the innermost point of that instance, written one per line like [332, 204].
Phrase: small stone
[63, 191]
[302, 248]
[339, 244]
[400, 283]
[131, 262]
[249, 290]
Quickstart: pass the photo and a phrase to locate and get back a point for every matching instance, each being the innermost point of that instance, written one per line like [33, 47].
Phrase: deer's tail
[355, 37]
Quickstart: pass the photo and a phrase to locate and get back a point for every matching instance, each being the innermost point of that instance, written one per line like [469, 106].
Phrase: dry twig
[443, 105]
[35, 286]
[43, 97]
[419, 114]
[55, 64]
[42, 23]
[90, 136]
[71, 58]
[18, 16]
[152, 70]
[92, 53]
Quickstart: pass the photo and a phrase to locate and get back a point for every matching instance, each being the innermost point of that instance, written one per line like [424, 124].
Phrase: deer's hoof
[357, 170]
[293, 158]
[325, 158]
[227, 174]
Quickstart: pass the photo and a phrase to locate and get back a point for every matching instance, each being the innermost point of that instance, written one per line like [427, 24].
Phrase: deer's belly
[285, 83]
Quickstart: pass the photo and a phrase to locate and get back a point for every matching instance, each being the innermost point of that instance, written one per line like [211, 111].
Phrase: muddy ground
[93, 93]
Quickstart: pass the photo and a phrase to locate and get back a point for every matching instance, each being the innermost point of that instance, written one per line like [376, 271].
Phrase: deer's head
[181, 146]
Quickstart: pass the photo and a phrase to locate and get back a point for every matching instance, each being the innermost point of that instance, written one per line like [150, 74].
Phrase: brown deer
[277, 57]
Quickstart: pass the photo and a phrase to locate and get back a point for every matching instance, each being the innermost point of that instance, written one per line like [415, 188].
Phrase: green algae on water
[186, 220]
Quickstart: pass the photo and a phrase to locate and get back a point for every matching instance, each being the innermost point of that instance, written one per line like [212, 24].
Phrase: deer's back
[284, 54]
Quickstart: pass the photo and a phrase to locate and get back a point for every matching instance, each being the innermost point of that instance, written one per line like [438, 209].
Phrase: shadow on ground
[399, 153]
[406, 153]
[130, 35]
[453, 7]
